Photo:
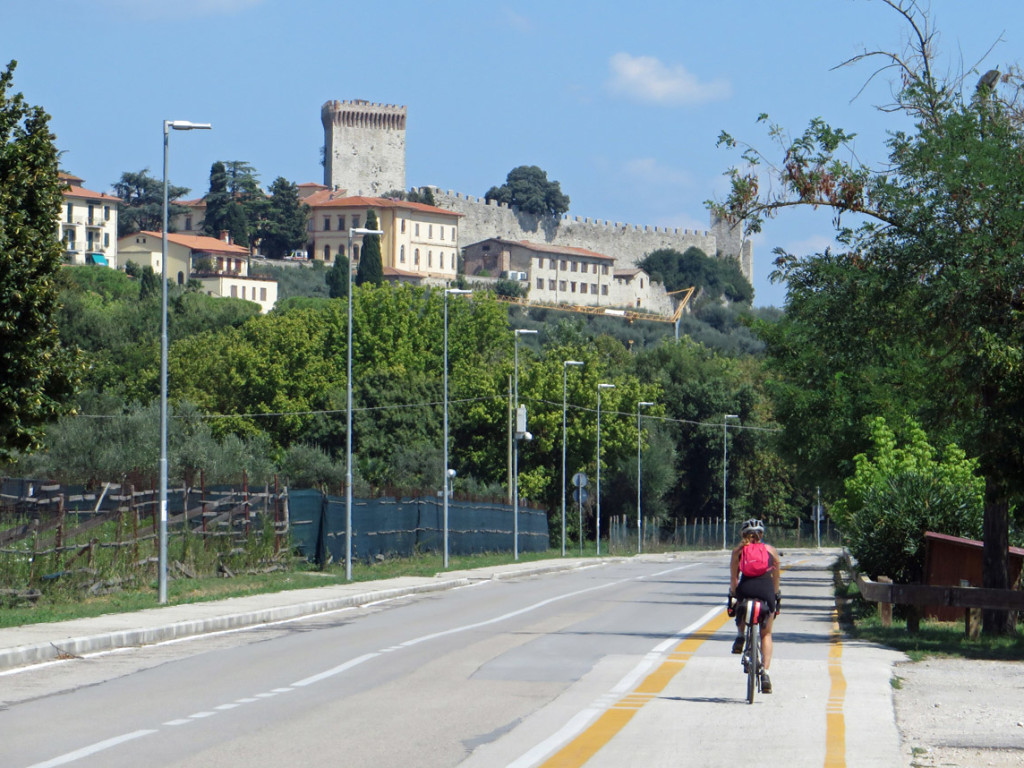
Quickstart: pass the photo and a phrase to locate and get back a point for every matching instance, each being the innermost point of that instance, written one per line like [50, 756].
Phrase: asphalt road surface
[621, 664]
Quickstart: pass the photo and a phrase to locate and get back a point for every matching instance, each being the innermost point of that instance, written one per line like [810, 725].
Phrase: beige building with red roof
[88, 224]
[555, 274]
[221, 267]
[420, 242]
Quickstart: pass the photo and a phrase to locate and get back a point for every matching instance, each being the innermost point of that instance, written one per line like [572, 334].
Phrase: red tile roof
[87, 194]
[564, 250]
[200, 243]
[325, 198]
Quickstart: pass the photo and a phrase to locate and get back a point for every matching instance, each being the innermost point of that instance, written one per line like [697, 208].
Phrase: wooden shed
[950, 560]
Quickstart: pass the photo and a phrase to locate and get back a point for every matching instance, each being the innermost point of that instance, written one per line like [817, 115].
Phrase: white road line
[92, 749]
[335, 670]
[581, 720]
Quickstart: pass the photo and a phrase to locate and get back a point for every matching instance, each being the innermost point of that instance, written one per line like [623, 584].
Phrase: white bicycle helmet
[752, 526]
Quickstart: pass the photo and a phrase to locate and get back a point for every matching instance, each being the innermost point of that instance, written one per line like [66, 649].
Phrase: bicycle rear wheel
[754, 661]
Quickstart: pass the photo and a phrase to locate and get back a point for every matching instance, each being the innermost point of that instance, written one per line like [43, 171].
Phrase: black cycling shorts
[757, 587]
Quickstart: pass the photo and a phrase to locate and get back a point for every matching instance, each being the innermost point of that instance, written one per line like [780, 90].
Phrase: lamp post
[725, 471]
[178, 125]
[639, 526]
[599, 388]
[348, 406]
[519, 434]
[565, 368]
[449, 473]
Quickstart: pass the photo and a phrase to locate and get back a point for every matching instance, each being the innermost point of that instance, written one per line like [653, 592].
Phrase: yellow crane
[626, 314]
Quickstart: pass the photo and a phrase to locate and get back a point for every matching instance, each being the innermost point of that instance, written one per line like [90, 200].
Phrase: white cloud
[648, 171]
[646, 79]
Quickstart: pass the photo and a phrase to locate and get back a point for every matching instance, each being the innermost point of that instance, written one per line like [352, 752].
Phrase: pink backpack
[755, 560]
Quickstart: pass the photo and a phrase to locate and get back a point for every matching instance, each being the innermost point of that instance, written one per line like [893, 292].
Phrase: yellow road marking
[578, 751]
[835, 722]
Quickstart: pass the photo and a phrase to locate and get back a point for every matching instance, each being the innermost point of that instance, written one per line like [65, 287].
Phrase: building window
[641, 283]
[563, 265]
[572, 267]
[416, 257]
[341, 223]
[70, 209]
[453, 262]
[430, 259]
[327, 253]
[401, 253]
[355, 222]
[327, 223]
[593, 288]
[403, 226]
[604, 290]
[453, 234]
[604, 270]
[540, 283]
[188, 223]
[485, 248]
[551, 285]
[263, 294]
[561, 285]
[430, 230]
[234, 291]
[106, 240]
[572, 287]
[583, 287]
[69, 237]
[355, 253]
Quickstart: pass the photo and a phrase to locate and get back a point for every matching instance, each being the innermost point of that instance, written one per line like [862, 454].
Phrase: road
[624, 663]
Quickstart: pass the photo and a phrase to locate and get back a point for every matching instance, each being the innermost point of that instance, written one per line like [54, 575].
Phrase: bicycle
[755, 613]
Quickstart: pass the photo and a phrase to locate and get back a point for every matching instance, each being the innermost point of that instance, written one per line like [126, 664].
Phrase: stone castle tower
[364, 147]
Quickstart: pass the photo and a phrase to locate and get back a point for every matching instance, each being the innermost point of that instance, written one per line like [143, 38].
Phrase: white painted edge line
[92, 749]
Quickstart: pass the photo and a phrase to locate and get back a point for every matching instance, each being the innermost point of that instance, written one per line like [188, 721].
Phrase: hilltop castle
[364, 153]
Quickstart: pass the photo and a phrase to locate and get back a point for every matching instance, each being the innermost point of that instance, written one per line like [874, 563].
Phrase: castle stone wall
[626, 243]
[364, 147]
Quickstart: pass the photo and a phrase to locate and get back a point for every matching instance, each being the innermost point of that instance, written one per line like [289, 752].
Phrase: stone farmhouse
[565, 275]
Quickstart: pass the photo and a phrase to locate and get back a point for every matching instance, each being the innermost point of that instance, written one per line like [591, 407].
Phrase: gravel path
[965, 714]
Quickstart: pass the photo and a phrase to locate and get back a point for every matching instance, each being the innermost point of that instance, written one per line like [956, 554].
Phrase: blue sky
[621, 103]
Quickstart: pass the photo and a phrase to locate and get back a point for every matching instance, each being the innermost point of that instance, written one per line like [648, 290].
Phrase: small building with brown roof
[221, 267]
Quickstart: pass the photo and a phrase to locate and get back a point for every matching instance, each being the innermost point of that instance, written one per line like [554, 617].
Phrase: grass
[60, 606]
[935, 638]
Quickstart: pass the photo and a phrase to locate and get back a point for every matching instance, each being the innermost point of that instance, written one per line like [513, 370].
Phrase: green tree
[142, 203]
[37, 373]
[940, 247]
[337, 278]
[370, 269]
[284, 228]
[714, 277]
[528, 189]
[235, 202]
[897, 493]
[218, 201]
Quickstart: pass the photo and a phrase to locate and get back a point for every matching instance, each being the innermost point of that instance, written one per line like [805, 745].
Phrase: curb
[106, 641]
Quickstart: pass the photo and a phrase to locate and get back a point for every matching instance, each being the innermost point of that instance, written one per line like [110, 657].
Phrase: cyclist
[755, 574]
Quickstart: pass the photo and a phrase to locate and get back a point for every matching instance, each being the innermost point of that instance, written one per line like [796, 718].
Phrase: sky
[621, 103]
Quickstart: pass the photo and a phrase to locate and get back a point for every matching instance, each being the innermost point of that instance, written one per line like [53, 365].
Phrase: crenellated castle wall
[626, 243]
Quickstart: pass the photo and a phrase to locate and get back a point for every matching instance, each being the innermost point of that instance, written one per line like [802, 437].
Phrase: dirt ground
[965, 714]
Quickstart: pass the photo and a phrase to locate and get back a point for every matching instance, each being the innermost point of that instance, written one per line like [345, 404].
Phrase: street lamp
[449, 473]
[725, 470]
[639, 527]
[348, 406]
[519, 434]
[565, 368]
[599, 388]
[178, 125]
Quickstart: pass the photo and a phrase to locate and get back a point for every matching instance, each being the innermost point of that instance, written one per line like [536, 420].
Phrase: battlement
[359, 113]
[566, 218]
